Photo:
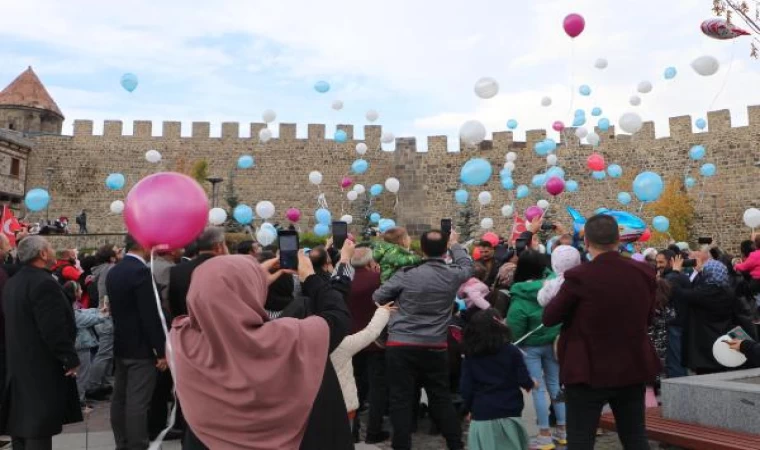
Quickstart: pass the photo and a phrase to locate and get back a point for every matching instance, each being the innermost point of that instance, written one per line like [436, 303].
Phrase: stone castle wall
[82, 162]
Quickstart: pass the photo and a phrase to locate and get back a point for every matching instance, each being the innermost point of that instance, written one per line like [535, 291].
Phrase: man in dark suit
[605, 354]
[40, 394]
[138, 345]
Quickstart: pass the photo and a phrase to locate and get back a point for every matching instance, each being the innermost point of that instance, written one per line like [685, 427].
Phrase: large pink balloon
[574, 25]
[555, 186]
[166, 209]
[293, 214]
[533, 212]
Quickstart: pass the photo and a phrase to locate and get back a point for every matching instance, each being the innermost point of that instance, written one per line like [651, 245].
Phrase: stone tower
[27, 107]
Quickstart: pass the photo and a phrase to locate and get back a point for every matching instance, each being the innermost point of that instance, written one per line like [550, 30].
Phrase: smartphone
[690, 263]
[446, 226]
[739, 334]
[705, 241]
[548, 226]
[287, 241]
[340, 234]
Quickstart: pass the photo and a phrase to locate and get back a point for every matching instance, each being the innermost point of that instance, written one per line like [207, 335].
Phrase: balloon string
[725, 79]
[572, 78]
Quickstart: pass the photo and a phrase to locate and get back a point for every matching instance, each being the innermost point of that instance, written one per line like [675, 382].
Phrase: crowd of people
[267, 358]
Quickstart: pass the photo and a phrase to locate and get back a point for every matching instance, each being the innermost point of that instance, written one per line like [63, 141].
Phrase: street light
[214, 181]
[49, 176]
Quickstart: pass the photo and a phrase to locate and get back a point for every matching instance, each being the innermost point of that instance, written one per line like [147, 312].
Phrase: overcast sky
[413, 61]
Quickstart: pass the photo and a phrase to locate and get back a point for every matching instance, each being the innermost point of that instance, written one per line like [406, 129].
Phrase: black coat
[39, 336]
[710, 315]
[179, 283]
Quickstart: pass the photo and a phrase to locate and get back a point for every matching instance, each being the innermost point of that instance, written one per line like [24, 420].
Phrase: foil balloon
[720, 29]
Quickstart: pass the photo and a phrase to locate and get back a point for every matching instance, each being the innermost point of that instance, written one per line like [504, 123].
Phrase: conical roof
[27, 90]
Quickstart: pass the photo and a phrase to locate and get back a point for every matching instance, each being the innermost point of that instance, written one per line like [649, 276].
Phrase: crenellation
[288, 131]
[82, 128]
[256, 127]
[349, 129]
[230, 130]
[719, 120]
[646, 133]
[201, 130]
[502, 139]
[142, 128]
[316, 131]
[438, 145]
[533, 136]
[753, 114]
[372, 134]
[112, 128]
[171, 130]
[680, 128]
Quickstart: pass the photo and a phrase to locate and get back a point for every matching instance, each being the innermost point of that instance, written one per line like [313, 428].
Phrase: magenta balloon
[293, 214]
[555, 186]
[166, 209]
[558, 126]
[346, 182]
[574, 25]
[533, 212]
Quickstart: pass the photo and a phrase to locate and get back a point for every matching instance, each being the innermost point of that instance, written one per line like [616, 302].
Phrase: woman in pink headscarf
[247, 383]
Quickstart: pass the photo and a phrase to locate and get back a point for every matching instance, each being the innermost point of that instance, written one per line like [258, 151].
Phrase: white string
[528, 335]
[725, 79]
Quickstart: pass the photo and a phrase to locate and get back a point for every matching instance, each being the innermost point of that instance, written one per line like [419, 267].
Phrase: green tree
[465, 223]
[678, 207]
[199, 172]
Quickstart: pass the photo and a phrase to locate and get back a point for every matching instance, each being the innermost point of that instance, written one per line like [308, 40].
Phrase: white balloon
[372, 115]
[593, 139]
[337, 105]
[486, 223]
[472, 133]
[392, 184]
[546, 101]
[268, 116]
[361, 148]
[507, 210]
[600, 63]
[635, 100]
[359, 188]
[543, 204]
[266, 236]
[752, 217]
[152, 156]
[486, 88]
[265, 134]
[351, 195]
[644, 87]
[706, 65]
[117, 206]
[511, 157]
[581, 132]
[217, 216]
[265, 209]
[484, 198]
[347, 218]
[387, 137]
[510, 165]
[630, 122]
[725, 356]
[315, 178]
[551, 160]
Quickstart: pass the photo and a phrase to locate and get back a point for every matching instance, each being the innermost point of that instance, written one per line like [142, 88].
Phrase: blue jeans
[102, 363]
[673, 366]
[544, 368]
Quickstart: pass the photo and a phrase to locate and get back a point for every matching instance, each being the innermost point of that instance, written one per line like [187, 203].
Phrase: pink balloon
[558, 126]
[574, 25]
[595, 162]
[166, 209]
[346, 182]
[555, 186]
[533, 212]
[293, 214]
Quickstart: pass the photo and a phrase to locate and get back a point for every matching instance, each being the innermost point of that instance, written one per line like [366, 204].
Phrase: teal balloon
[555, 171]
[624, 198]
[596, 112]
[604, 124]
[508, 183]
[476, 172]
[341, 136]
[322, 86]
[245, 162]
[545, 147]
[129, 82]
[376, 190]
[321, 229]
[374, 217]
[359, 166]
[551, 144]
[579, 121]
[708, 170]
[599, 175]
[511, 124]
[571, 186]
[323, 216]
[522, 191]
[661, 224]
[37, 199]
[385, 225]
[615, 171]
[690, 182]
[538, 180]
[701, 123]
[670, 73]
[648, 186]
[697, 152]
[584, 90]
[461, 196]
[243, 214]
[115, 181]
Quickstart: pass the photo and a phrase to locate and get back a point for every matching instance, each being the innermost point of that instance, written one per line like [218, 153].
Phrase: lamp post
[214, 182]
[49, 176]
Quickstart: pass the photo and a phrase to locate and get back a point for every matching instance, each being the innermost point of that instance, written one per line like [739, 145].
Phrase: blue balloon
[340, 136]
[461, 196]
[129, 82]
[571, 186]
[322, 86]
[538, 180]
[476, 172]
[648, 186]
[690, 182]
[697, 152]
[376, 190]
[374, 217]
[708, 170]
[701, 123]
[615, 171]
[580, 112]
[584, 90]
[604, 124]
[243, 214]
[115, 181]
[551, 144]
[540, 148]
[511, 124]
[323, 216]
[661, 224]
[624, 198]
[579, 121]
[505, 173]
[596, 112]
[385, 225]
[245, 162]
[37, 199]
[359, 166]
[600, 211]
[555, 171]
[508, 183]
[599, 175]
[670, 73]
[321, 229]
[522, 191]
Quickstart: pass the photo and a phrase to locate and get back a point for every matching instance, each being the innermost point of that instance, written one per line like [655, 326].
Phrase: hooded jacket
[392, 257]
[525, 314]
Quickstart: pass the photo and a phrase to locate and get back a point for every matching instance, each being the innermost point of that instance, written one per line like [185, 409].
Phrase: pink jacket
[474, 293]
[751, 265]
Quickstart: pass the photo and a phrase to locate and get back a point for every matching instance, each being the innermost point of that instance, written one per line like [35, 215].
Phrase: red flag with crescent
[518, 226]
[10, 225]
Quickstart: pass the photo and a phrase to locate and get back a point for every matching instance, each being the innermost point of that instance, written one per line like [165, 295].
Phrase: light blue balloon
[461, 196]
[323, 216]
[571, 186]
[596, 112]
[599, 175]
[648, 186]
[584, 90]
[600, 211]
[670, 73]
[245, 162]
[690, 182]
[701, 123]
[522, 191]
[243, 214]
[697, 152]
[115, 181]
[604, 124]
[579, 112]
[476, 172]
[661, 224]
[321, 229]
[505, 173]
[624, 198]
[538, 180]
[511, 124]
[555, 171]
[340, 136]
[374, 217]
[385, 225]
[322, 86]
[508, 183]
[37, 199]
[541, 148]
[579, 121]
[708, 170]
[376, 190]
[615, 171]
[129, 82]
[359, 166]
[551, 144]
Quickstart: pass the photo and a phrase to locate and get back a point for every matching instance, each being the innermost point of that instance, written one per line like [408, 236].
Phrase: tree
[678, 207]
[466, 219]
[199, 172]
[363, 206]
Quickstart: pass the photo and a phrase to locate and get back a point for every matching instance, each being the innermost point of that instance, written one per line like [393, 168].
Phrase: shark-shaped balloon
[631, 227]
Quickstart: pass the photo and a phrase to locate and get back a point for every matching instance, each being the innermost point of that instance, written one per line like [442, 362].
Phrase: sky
[415, 62]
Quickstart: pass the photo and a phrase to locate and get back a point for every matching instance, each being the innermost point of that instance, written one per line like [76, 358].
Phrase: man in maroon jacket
[605, 354]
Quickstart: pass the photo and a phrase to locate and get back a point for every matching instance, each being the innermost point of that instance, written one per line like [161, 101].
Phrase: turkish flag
[518, 227]
[10, 225]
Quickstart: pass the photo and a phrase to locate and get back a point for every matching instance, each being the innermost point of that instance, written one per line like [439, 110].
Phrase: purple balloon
[555, 186]
[533, 212]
